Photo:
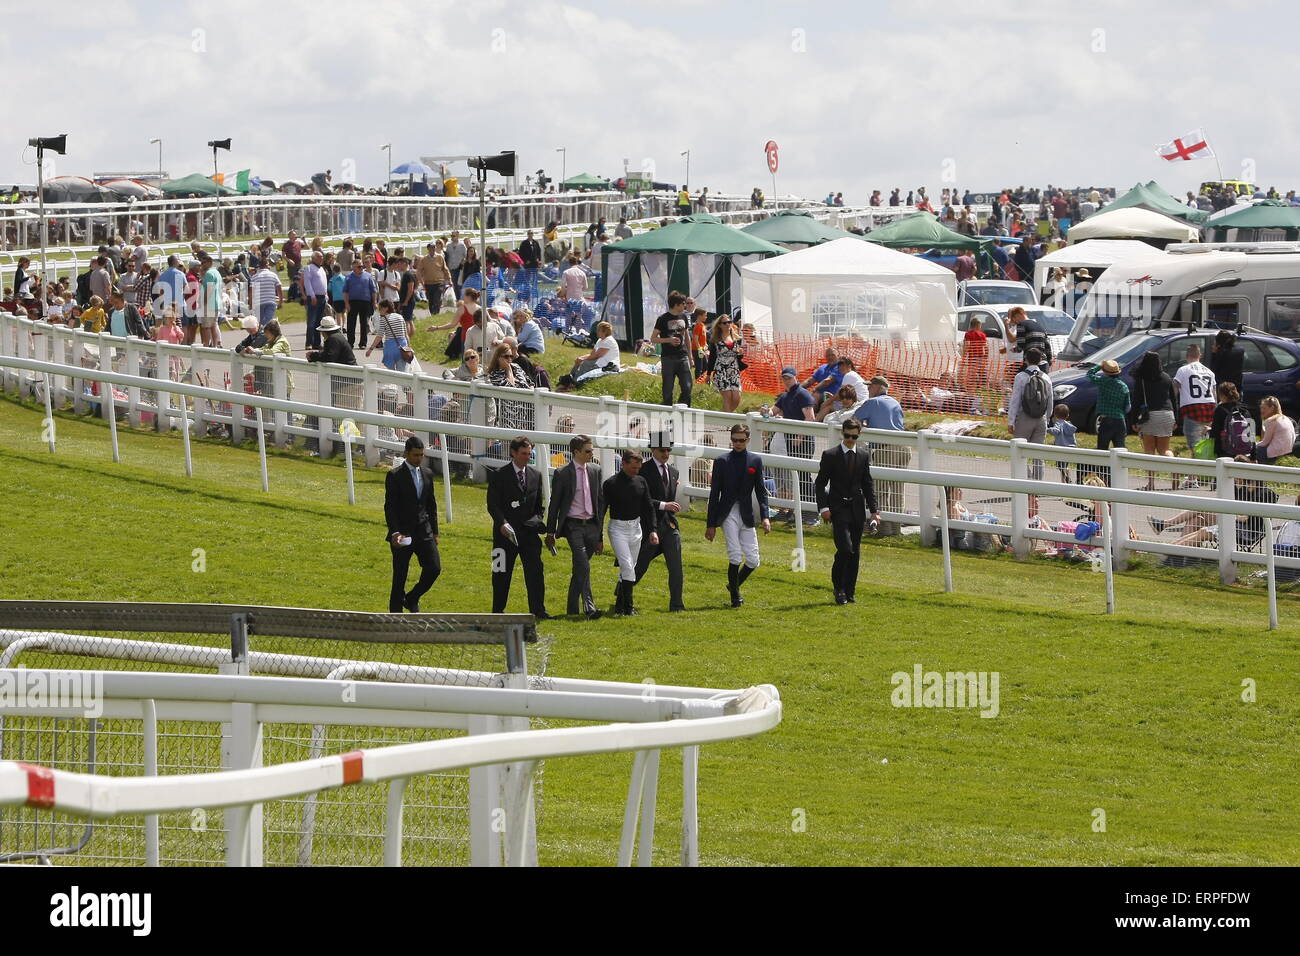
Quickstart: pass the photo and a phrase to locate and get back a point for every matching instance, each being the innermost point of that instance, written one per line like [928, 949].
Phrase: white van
[1214, 285]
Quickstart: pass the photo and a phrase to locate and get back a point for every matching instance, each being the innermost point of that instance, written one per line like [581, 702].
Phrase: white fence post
[1119, 511]
[1019, 503]
[1224, 488]
[925, 493]
[1271, 565]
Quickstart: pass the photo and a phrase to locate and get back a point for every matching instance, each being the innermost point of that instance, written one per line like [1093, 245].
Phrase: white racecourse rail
[63, 364]
[412, 221]
[649, 718]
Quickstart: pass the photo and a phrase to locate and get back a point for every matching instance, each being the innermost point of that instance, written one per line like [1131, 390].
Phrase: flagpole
[1216, 158]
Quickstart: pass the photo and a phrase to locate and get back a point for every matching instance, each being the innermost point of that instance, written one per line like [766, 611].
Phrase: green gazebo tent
[698, 255]
[921, 231]
[585, 181]
[196, 183]
[795, 228]
[1264, 214]
[1154, 197]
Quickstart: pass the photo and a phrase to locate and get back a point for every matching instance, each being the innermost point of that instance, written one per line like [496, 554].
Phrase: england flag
[1191, 145]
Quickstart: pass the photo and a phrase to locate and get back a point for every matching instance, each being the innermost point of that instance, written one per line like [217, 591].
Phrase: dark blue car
[1271, 367]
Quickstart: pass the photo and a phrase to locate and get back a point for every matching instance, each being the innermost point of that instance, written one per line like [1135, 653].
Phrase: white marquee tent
[1134, 223]
[850, 287]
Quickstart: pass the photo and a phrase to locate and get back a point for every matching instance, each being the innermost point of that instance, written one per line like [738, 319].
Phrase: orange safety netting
[923, 376]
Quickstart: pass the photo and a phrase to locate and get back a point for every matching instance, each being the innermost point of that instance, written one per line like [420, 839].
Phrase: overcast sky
[857, 95]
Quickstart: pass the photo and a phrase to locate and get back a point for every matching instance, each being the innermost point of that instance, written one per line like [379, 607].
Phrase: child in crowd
[94, 319]
[1062, 431]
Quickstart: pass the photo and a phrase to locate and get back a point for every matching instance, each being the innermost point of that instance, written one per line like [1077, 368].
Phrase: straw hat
[1110, 367]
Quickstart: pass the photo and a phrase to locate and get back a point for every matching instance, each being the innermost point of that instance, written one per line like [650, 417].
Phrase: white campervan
[1214, 285]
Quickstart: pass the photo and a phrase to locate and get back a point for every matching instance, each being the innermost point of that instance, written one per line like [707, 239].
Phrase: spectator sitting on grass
[1202, 528]
[602, 357]
[841, 407]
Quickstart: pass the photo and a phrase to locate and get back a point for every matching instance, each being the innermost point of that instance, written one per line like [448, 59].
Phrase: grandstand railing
[1025, 506]
[400, 220]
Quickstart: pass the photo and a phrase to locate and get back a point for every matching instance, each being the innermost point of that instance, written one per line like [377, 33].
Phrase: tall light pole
[687, 154]
[217, 144]
[60, 145]
[388, 183]
[160, 166]
[564, 160]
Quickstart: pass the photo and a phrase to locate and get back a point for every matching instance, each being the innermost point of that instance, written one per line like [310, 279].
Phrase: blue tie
[415, 476]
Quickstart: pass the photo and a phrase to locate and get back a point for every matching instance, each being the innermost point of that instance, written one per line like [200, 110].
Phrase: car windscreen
[999, 295]
[1053, 321]
[1125, 350]
[1105, 312]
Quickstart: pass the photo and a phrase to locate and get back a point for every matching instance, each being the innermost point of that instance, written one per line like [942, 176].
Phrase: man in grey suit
[411, 512]
[662, 480]
[574, 514]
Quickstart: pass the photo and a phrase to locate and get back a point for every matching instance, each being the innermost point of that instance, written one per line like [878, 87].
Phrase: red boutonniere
[750, 470]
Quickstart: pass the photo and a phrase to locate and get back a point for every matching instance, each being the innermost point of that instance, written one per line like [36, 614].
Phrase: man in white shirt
[1194, 385]
[574, 279]
[455, 257]
[390, 280]
[852, 379]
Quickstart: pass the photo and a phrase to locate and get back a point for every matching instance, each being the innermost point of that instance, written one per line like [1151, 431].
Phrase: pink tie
[586, 491]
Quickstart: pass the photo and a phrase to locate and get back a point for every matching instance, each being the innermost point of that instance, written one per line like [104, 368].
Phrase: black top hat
[661, 440]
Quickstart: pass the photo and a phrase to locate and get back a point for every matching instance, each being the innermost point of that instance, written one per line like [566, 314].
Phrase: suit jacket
[849, 497]
[736, 479]
[508, 504]
[531, 252]
[563, 487]
[406, 512]
[658, 493]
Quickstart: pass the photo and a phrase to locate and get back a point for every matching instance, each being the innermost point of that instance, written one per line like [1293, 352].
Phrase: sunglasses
[850, 436]
[739, 441]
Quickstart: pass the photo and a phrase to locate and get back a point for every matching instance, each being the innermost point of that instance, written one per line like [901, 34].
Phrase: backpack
[1239, 433]
[83, 289]
[1036, 399]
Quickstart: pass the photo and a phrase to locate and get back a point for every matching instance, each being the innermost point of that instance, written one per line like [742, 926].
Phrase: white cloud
[883, 94]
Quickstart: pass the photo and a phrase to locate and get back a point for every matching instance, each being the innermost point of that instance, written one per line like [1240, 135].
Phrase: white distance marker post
[947, 545]
[261, 449]
[446, 476]
[49, 412]
[1270, 560]
[112, 420]
[1106, 557]
[347, 428]
[185, 438]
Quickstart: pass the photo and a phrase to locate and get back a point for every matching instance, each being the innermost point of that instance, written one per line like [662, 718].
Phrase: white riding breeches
[625, 536]
[742, 542]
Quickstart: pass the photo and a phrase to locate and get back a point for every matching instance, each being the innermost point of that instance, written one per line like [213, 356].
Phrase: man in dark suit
[514, 500]
[411, 512]
[662, 480]
[845, 494]
[737, 479]
[576, 506]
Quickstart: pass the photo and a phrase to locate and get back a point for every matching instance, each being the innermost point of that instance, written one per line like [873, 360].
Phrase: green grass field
[1140, 714]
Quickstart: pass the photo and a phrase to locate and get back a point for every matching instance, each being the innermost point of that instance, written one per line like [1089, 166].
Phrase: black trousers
[359, 311]
[670, 546]
[679, 370]
[433, 292]
[1111, 432]
[430, 568]
[848, 548]
[582, 539]
[504, 554]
